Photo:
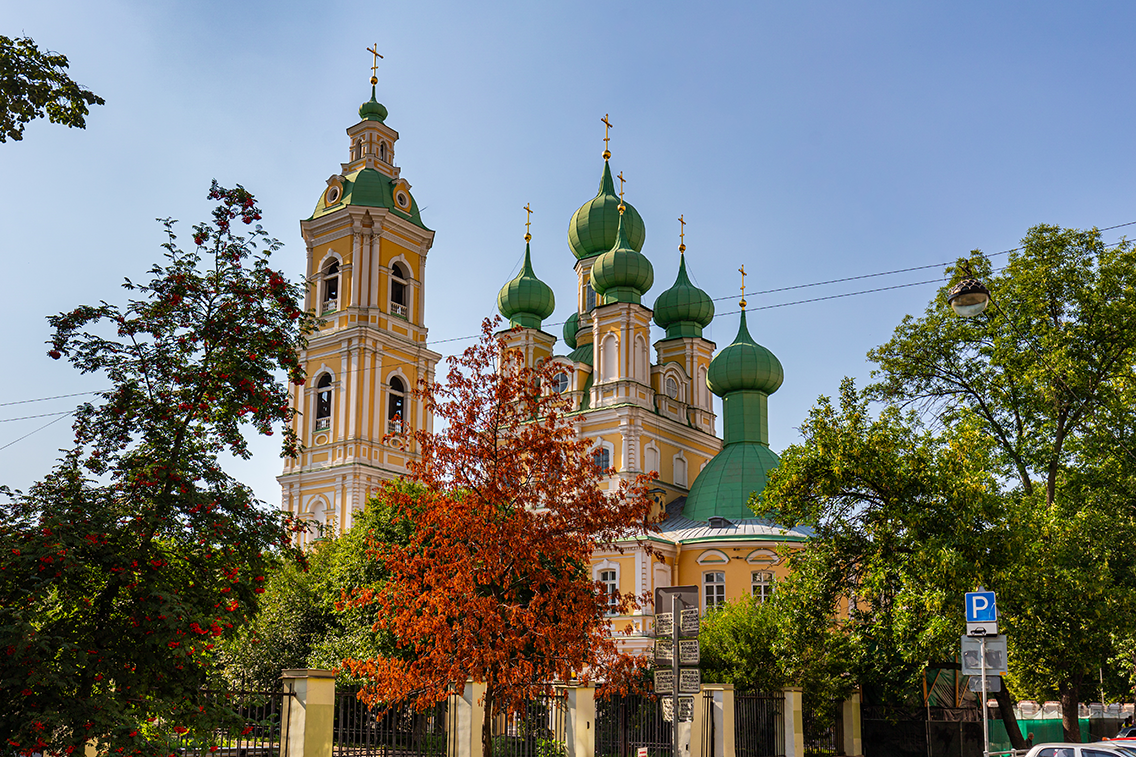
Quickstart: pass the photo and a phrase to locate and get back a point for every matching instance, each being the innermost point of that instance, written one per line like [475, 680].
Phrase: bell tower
[366, 270]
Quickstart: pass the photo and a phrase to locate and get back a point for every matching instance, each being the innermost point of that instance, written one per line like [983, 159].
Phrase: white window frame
[607, 566]
[719, 590]
[762, 584]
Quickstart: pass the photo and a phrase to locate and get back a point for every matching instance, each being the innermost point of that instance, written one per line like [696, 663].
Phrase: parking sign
[981, 607]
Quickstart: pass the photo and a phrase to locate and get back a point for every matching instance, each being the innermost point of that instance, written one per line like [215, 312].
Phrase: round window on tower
[332, 195]
[403, 199]
[672, 388]
[560, 383]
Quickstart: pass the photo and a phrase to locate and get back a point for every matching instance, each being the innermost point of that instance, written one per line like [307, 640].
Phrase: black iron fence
[709, 733]
[538, 730]
[256, 727]
[387, 731]
[820, 730]
[626, 723]
[759, 724]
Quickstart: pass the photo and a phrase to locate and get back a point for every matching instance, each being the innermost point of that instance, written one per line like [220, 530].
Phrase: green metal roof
[726, 483]
[373, 110]
[622, 274]
[744, 365]
[594, 227]
[369, 188]
[526, 300]
[684, 309]
[571, 328]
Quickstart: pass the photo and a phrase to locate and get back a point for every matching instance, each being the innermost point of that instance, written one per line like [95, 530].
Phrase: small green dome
[594, 226]
[684, 309]
[373, 110]
[726, 483]
[744, 365]
[526, 300]
[621, 274]
[571, 327]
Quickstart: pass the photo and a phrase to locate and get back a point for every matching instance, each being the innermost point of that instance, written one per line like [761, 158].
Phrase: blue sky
[808, 141]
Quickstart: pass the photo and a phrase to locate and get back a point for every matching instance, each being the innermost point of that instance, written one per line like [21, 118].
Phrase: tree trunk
[1006, 711]
[1070, 716]
[487, 725]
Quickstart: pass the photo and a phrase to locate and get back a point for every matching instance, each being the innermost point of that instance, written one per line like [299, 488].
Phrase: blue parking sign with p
[980, 607]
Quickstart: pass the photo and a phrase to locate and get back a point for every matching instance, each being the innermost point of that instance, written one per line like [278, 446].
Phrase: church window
[610, 358]
[560, 382]
[383, 151]
[323, 402]
[396, 406]
[330, 297]
[680, 471]
[652, 460]
[602, 458]
[357, 149]
[672, 388]
[641, 371]
[589, 298]
[398, 296]
[713, 589]
[762, 581]
[610, 581]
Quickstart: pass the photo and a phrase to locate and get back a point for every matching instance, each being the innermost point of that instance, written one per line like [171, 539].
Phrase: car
[1126, 732]
[1099, 749]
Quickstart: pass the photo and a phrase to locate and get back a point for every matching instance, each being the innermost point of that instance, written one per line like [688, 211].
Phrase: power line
[41, 415]
[44, 399]
[25, 436]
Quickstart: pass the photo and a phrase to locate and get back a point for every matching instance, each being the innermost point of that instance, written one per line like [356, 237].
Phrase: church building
[646, 407]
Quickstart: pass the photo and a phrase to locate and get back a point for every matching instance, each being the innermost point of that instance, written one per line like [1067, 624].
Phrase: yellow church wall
[696, 560]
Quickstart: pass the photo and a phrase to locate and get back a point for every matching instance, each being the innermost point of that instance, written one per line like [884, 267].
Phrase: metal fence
[254, 730]
[626, 723]
[538, 730]
[820, 730]
[759, 724]
[708, 726]
[381, 731]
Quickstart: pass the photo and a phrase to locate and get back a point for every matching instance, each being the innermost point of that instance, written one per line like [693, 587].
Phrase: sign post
[982, 621]
[683, 678]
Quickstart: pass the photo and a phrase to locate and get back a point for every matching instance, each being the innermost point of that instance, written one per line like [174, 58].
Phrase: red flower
[180, 729]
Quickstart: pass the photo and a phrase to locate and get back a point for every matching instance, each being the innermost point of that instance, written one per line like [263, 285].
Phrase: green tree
[1047, 375]
[123, 569]
[305, 618]
[33, 83]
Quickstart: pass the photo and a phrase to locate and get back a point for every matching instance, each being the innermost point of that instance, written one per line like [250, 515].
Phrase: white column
[356, 269]
[373, 249]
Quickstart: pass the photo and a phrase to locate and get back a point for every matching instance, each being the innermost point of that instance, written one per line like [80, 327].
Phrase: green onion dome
[744, 365]
[684, 309]
[724, 486]
[526, 300]
[622, 274]
[594, 226]
[571, 327]
[373, 110]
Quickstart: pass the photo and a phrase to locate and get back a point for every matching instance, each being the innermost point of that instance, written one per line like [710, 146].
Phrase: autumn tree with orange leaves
[495, 584]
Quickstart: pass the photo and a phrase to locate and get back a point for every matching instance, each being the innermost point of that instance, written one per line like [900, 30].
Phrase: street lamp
[969, 297]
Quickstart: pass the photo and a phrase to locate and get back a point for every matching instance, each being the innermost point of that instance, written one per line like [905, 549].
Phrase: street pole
[985, 696]
[676, 605]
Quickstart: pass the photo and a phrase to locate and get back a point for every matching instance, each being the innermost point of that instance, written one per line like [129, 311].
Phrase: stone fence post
[722, 714]
[466, 718]
[580, 721]
[306, 725]
[850, 715]
[794, 727]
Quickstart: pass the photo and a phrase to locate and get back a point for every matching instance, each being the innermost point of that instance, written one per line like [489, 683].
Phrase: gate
[820, 730]
[759, 724]
[379, 731]
[254, 730]
[538, 730]
[625, 723]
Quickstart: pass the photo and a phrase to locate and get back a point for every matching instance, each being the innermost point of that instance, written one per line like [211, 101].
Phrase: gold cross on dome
[682, 235]
[374, 63]
[528, 220]
[621, 180]
[742, 271]
[607, 126]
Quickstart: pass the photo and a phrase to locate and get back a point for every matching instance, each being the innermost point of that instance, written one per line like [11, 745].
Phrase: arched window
[641, 371]
[399, 291]
[680, 471]
[610, 357]
[602, 459]
[330, 299]
[560, 382]
[589, 298]
[357, 149]
[610, 581]
[671, 388]
[700, 389]
[383, 151]
[652, 460]
[323, 402]
[396, 406]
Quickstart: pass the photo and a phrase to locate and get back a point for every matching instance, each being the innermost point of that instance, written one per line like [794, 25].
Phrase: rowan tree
[494, 584]
[124, 567]
[34, 83]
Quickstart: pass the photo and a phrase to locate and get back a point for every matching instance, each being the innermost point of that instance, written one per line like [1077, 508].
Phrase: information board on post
[996, 656]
